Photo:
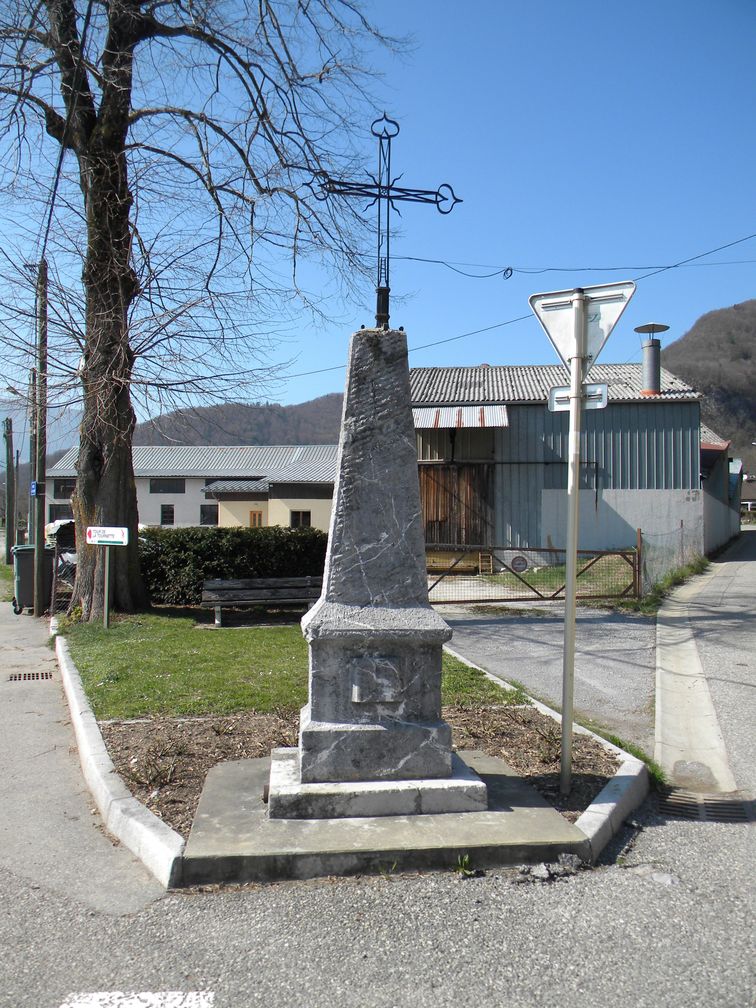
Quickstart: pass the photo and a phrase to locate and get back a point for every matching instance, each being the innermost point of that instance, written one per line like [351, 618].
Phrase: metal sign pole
[577, 334]
[106, 590]
[573, 517]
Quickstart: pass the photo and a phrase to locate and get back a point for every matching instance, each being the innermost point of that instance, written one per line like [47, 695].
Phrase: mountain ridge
[716, 356]
[316, 421]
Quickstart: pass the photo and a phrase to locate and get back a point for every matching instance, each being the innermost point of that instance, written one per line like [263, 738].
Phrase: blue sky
[593, 141]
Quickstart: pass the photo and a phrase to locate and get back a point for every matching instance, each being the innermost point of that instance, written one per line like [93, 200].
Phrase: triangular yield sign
[604, 305]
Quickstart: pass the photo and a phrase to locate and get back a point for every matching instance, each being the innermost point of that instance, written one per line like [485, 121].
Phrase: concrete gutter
[622, 794]
[155, 844]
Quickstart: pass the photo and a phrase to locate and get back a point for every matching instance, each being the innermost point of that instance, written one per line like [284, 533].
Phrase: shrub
[176, 561]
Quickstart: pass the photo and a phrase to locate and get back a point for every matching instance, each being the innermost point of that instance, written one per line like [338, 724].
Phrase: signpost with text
[107, 536]
[578, 323]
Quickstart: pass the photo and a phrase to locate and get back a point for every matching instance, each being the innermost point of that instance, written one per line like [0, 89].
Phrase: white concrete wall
[610, 520]
[186, 506]
[721, 523]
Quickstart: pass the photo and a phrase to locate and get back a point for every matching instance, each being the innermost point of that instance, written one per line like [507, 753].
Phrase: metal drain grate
[703, 808]
[29, 676]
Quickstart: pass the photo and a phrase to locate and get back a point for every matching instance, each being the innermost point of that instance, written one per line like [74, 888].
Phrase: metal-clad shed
[506, 485]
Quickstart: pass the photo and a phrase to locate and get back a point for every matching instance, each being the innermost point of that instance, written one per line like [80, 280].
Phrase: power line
[423, 346]
[701, 255]
[520, 318]
[507, 271]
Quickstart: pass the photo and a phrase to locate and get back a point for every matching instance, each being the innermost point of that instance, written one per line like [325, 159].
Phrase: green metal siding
[627, 446]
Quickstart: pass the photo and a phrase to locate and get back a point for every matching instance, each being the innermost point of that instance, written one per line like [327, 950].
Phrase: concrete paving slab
[232, 839]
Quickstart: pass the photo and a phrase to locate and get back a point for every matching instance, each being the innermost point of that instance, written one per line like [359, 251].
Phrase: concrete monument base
[289, 798]
[233, 839]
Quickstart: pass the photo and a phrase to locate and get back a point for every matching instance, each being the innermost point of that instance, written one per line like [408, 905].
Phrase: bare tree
[195, 132]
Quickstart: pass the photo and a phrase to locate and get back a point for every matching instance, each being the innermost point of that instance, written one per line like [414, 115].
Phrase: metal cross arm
[382, 190]
[444, 197]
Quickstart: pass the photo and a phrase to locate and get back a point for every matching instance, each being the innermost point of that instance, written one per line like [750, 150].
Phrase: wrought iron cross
[383, 190]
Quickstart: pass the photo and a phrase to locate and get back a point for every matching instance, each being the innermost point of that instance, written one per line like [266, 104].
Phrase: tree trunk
[105, 490]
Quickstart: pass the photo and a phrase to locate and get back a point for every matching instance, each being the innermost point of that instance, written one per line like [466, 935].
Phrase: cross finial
[382, 190]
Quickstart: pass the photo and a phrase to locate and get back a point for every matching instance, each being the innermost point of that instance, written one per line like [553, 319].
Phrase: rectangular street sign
[594, 397]
[107, 535]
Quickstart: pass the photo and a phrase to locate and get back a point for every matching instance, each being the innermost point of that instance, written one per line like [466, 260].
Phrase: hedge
[176, 561]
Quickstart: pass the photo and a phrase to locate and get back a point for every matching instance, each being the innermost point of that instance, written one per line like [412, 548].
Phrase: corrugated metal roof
[285, 463]
[431, 417]
[237, 487]
[712, 440]
[531, 383]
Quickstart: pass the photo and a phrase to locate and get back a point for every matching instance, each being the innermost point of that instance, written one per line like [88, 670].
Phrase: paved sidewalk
[722, 618]
[49, 833]
[689, 743]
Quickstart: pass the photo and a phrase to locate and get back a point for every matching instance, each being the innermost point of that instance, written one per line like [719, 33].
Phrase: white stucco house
[186, 485]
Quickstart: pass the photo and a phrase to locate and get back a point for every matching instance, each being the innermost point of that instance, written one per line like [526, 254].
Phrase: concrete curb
[611, 806]
[155, 844]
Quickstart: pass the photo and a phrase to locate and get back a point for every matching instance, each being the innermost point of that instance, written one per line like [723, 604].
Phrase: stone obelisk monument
[372, 741]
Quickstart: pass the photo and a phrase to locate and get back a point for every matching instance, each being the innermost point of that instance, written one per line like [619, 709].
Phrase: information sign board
[107, 535]
[594, 397]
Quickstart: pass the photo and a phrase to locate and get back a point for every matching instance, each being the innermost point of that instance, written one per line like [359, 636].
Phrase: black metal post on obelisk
[382, 190]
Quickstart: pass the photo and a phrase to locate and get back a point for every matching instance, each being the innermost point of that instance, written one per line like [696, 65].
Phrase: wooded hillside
[718, 357]
[313, 422]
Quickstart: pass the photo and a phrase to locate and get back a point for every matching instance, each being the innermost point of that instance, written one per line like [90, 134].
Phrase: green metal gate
[466, 574]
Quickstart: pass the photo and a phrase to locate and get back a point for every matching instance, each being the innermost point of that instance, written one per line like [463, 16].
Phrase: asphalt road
[615, 660]
[666, 923]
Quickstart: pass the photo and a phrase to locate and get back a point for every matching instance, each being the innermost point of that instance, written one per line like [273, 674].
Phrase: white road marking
[143, 999]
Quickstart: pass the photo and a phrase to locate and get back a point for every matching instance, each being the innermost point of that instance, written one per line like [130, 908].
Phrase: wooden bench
[437, 562]
[246, 593]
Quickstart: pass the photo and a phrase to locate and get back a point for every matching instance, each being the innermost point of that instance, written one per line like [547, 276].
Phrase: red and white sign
[107, 535]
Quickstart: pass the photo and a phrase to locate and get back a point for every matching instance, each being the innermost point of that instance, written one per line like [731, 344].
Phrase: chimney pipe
[651, 367]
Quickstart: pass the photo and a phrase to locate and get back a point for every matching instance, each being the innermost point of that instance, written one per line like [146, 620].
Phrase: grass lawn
[165, 665]
[6, 582]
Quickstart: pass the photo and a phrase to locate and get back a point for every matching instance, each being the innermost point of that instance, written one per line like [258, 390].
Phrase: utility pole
[32, 403]
[10, 491]
[16, 512]
[40, 474]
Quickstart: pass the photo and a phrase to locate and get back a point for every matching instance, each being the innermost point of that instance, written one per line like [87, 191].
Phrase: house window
[60, 512]
[300, 519]
[208, 514]
[168, 484]
[166, 514]
[255, 519]
[64, 487]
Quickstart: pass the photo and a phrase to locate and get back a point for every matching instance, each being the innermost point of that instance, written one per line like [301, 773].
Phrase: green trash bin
[23, 577]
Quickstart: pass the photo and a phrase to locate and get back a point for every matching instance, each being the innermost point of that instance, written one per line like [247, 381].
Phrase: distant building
[493, 459]
[185, 485]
